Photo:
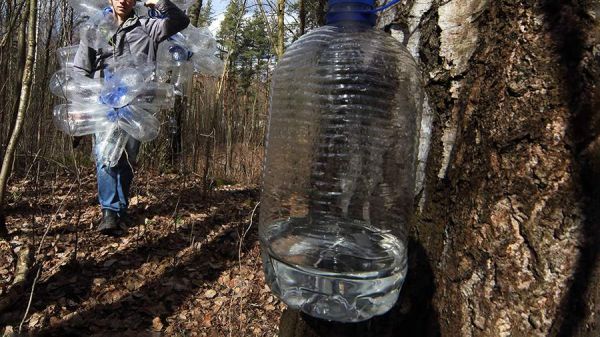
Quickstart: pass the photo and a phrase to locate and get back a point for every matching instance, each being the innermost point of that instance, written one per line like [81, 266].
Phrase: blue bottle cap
[178, 53]
[107, 11]
[363, 11]
[351, 10]
[350, 2]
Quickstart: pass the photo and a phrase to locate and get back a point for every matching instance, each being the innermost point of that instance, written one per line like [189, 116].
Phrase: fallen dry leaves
[176, 273]
[7, 266]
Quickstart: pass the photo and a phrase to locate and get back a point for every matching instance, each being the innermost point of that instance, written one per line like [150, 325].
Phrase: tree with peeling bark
[506, 239]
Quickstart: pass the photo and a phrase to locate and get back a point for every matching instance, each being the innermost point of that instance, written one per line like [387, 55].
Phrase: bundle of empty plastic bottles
[191, 50]
[99, 23]
[123, 104]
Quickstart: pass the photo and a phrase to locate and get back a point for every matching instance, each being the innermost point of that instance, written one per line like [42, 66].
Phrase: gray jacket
[136, 36]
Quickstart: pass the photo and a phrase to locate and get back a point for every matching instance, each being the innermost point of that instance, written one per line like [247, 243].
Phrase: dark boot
[125, 219]
[109, 225]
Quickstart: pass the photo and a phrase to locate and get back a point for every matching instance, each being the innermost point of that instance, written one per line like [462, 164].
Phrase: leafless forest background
[219, 136]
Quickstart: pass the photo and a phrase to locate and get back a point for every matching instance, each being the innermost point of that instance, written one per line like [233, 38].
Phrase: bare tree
[302, 16]
[23, 105]
[280, 28]
[194, 12]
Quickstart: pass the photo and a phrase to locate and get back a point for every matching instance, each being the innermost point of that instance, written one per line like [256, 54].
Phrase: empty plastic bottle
[181, 77]
[74, 87]
[198, 39]
[174, 65]
[81, 120]
[110, 145]
[88, 7]
[138, 123]
[154, 96]
[66, 56]
[340, 168]
[122, 87]
[98, 29]
[191, 50]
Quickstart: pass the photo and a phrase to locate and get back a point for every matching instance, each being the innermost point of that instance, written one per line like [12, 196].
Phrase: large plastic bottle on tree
[340, 168]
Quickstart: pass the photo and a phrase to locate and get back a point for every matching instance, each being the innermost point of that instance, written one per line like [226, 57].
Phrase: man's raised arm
[173, 22]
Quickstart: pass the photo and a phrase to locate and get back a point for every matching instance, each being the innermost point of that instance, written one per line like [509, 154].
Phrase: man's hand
[150, 3]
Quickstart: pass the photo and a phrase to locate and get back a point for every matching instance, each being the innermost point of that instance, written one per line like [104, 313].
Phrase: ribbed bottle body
[339, 172]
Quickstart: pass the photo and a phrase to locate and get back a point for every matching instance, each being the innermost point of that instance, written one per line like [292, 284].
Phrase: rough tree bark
[506, 242]
[23, 103]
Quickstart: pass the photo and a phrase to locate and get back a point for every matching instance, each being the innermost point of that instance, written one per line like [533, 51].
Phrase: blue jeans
[114, 182]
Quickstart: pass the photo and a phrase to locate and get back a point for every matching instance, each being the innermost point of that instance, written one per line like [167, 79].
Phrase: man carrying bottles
[138, 37]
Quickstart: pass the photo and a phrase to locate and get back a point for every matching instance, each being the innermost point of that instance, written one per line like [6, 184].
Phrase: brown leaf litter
[177, 272]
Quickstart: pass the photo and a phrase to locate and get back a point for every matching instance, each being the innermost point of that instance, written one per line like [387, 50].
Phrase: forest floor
[190, 266]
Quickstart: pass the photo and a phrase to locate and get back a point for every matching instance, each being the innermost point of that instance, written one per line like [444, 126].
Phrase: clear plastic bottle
[80, 120]
[109, 145]
[340, 168]
[99, 28]
[66, 56]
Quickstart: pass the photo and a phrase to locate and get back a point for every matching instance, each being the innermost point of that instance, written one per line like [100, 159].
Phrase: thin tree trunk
[12, 22]
[194, 13]
[302, 17]
[20, 60]
[23, 103]
[321, 11]
[269, 28]
[280, 28]
[176, 132]
[45, 73]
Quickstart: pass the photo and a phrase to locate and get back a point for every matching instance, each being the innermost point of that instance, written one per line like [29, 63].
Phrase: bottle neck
[351, 13]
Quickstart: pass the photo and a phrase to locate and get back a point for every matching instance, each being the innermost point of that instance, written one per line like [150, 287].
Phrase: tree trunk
[46, 65]
[302, 17]
[20, 64]
[506, 242]
[280, 28]
[175, 132]
[194, 12]
[13, 20]
[23, 103]
[321, 11]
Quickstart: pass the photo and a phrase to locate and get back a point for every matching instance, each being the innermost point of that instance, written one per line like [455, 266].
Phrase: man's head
[122, 8]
